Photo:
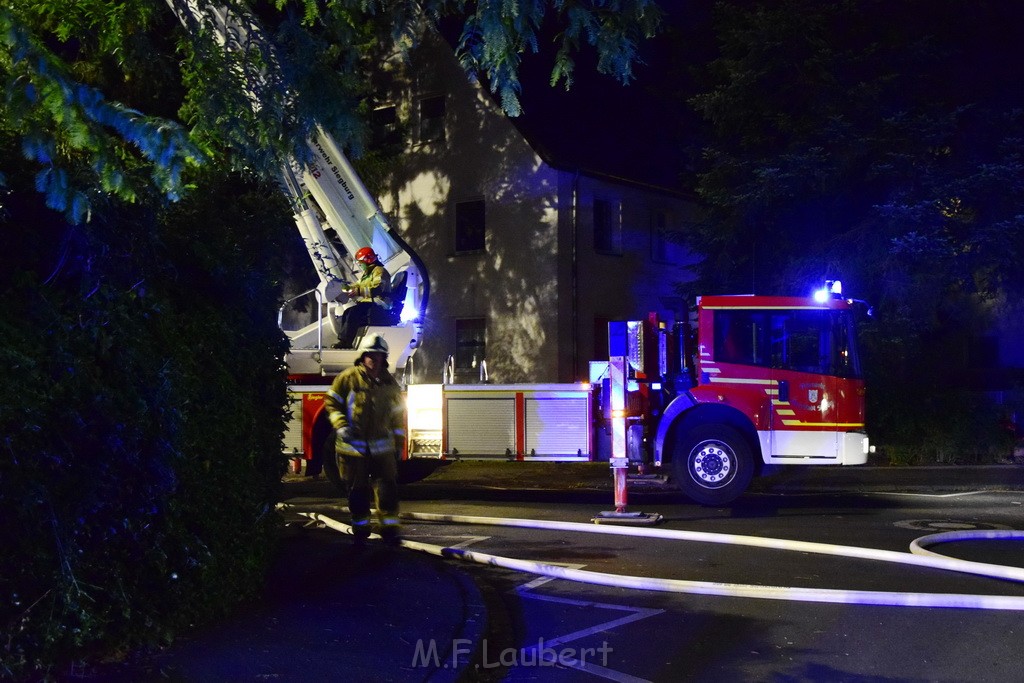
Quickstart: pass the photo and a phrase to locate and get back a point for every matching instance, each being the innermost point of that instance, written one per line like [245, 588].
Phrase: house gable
[508, 239]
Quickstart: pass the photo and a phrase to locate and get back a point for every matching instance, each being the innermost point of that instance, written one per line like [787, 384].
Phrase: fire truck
[756, 381]
[749, 381]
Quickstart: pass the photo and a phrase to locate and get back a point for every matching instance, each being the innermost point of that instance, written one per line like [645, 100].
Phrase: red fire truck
[758, 380]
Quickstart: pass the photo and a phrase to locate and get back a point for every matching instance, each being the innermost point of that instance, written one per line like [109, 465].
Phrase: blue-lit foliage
[255, 101]
[65, 122]
[881, 143]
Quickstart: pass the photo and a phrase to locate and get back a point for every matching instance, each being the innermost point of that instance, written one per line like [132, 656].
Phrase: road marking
[541, 580]
[947, 525]
[637, 613]
[926, 495]
[469, 540]
[847, 492]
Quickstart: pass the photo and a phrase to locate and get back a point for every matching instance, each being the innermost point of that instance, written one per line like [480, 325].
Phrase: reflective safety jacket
[368, 414]
[373, 286]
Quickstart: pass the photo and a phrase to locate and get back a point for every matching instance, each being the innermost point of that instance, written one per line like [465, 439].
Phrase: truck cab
[768, 381]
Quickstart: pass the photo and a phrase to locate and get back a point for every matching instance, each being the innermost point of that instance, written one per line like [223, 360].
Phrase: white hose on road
[901, 599]
[919, 545]
[933, 560]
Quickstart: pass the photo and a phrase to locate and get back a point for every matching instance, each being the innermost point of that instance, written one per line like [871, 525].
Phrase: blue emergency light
[832, 289]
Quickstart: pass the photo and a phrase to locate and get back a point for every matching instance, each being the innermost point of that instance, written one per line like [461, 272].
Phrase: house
[528, 258]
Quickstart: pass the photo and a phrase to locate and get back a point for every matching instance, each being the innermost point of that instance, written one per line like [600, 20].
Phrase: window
[739, 337]
[820, 342]
[470, 226]
[600, 338]
[470, 343]
[431, 116]
[659, 237]
[384, 127]
[607, 226]
[666, 239]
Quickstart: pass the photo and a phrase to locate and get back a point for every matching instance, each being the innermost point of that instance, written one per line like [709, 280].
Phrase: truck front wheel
[713, 464]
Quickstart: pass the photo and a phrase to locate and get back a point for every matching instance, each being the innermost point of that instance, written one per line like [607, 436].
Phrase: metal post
[619, 479]
[619, 460]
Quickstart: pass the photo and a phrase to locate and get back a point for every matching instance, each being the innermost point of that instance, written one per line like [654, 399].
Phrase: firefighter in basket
[372, 296]
[365, 407]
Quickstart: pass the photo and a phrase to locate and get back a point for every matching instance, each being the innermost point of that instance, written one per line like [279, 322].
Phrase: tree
[142, 238]
[77, 95]
[880, 143]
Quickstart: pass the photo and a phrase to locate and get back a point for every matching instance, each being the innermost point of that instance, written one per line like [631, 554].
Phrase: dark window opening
[470, 343]
[659, 237]
[470, 226]
[600, 338]
[432, 110]
[384, 127]
[607, 227]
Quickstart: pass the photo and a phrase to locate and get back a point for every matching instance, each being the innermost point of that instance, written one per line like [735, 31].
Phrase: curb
[474, 627]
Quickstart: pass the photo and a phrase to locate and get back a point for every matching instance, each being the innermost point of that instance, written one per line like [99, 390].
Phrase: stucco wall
[512, 283]
[538, 282]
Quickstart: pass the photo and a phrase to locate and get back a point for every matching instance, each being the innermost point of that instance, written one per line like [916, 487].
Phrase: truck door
[804, 409]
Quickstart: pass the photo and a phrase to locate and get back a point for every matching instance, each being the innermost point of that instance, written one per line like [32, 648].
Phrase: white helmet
[373, 343]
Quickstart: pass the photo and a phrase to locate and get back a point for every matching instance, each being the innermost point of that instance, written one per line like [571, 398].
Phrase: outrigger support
[619, 460]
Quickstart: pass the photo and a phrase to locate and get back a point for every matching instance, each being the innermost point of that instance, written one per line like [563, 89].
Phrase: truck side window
[846, 362]
[739, 337]
[801, 341]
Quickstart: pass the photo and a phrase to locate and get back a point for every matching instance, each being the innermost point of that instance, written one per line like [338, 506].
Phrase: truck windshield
[822, 342]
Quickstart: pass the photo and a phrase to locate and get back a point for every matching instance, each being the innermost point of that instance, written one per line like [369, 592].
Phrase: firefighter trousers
[373, 475]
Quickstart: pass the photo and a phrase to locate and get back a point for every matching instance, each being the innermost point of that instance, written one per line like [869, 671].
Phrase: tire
[412, 471]
[330, 464]
[713, 464]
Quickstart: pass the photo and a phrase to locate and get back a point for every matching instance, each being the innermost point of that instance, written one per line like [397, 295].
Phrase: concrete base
[632, 518]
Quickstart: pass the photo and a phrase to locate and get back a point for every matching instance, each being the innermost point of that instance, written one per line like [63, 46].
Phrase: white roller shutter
[556, 426]
[481, 426]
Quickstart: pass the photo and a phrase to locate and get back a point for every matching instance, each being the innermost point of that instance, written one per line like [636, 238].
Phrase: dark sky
[646, 131]
[636, 131]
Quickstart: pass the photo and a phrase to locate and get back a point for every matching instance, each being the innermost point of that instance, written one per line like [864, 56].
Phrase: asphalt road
[330, 611]
[591, 632]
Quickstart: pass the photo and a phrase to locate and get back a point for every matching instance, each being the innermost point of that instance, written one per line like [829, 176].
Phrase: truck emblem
[812, 395]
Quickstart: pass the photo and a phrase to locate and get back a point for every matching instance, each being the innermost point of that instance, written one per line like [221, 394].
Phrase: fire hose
[919, 556]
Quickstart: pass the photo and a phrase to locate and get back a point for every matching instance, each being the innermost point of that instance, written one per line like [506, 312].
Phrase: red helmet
[366, 255]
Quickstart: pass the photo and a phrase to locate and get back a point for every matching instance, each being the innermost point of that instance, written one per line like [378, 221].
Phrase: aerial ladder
[327, 194]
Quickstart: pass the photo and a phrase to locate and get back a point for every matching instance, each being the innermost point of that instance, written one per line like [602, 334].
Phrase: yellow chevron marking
[798, 423]
[736, 380]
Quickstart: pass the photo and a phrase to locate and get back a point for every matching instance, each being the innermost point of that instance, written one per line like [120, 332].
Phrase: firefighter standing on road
[364, 405]
[372, 294]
